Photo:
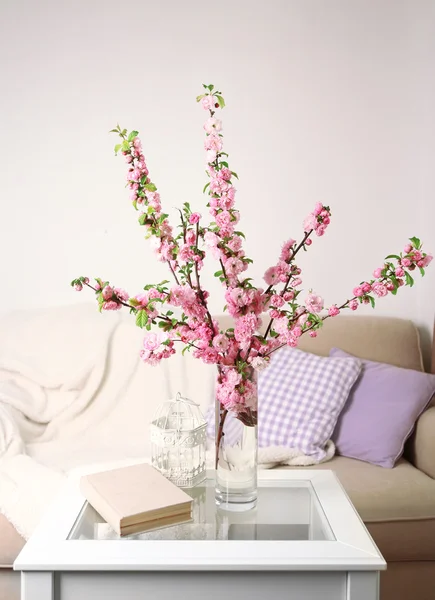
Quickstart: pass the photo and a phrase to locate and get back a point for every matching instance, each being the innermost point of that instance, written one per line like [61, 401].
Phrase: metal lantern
[178, 441]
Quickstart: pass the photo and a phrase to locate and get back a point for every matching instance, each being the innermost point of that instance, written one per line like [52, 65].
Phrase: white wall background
[330, 100]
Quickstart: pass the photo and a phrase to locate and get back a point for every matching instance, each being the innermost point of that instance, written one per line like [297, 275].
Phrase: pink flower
[310, 223]
[281, 325]
[258, 363]
[320, 230]
[275, 314]
[408, 248]
[277, 301]
[379, 289]
[377, 273]
[288, 296]
[211, 155]
[406, 262]
[358, 292]
[318, 208]
[207, 102]
[314, 303]
[333, 311]
[235, 243]
[194, 218]
[221, 343]
[313, 333]
[353, 304]
[399, 272]
[426, 260]
[121, 294]
[111, 305]
[78, 287]
[234, 266]
[366, 288]
[286, 251]
[308, 242]
[245, 328]
[213, 142]
[211, 240]
[107, 292]
[190, 237]
[223, 218]
[154, 340]
[212, 124]
[224, 173]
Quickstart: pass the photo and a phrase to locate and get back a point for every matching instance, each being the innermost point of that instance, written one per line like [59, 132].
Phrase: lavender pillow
[381, 411]
[300, 398]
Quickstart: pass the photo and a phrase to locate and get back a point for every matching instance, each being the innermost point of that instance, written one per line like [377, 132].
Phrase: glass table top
[286, 510]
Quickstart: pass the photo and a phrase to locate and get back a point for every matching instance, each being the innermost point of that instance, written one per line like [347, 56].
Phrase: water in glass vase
[236, 438]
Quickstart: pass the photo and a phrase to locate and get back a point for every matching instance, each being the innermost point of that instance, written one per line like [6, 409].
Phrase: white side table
[304, 541]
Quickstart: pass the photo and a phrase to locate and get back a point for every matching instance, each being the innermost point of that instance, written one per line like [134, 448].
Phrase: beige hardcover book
[136, 498]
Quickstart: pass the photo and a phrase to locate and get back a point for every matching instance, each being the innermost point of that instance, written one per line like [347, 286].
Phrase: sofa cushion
[397, 505]
[11, 543]
[381, 411]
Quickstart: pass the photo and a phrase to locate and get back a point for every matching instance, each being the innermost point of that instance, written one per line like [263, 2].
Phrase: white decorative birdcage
[178, 441]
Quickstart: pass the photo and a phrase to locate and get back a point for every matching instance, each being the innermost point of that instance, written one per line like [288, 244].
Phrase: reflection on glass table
[286, 510]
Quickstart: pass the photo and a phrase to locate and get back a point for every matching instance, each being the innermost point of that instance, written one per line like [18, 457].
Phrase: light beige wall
[329, 100]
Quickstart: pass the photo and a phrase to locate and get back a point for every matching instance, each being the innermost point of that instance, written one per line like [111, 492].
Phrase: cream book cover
[136, 497]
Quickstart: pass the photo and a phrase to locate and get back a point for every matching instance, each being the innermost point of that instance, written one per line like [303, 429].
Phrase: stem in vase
[220, 434]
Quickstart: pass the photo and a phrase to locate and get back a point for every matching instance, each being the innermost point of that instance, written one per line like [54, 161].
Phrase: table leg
[362, 585]
[37, 585]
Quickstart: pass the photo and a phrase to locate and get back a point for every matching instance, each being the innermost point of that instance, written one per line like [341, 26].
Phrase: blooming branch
[180, 312]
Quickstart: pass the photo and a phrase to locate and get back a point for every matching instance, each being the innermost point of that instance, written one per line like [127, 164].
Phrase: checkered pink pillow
[301, 396]
[300, 399]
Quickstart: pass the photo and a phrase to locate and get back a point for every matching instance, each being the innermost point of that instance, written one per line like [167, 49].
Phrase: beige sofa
[397, 505]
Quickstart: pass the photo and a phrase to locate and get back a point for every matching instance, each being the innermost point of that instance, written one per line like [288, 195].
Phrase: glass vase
[236, 438]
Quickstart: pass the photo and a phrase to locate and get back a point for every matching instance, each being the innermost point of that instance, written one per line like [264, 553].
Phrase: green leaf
[132, 135]
[118, 148]
[210, 87]
[125, 146]
[133, 302]
[150, 187]
[421, 271]
[199, 98]
[142, 218]
[205, 187]
[241, 234]
[372, 301]
[221, 101]
[416, 242]
[234, 174]
[393, 256]
[218, 273]
[141, 318]
[409, 279]
[135, 204]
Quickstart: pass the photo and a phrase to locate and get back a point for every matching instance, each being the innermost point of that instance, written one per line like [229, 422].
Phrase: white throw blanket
[73, 392]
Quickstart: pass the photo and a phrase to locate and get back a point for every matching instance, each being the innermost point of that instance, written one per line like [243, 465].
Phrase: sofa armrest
[422, 444]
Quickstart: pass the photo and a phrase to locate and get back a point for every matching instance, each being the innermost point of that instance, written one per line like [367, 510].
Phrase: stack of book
[136, 498]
